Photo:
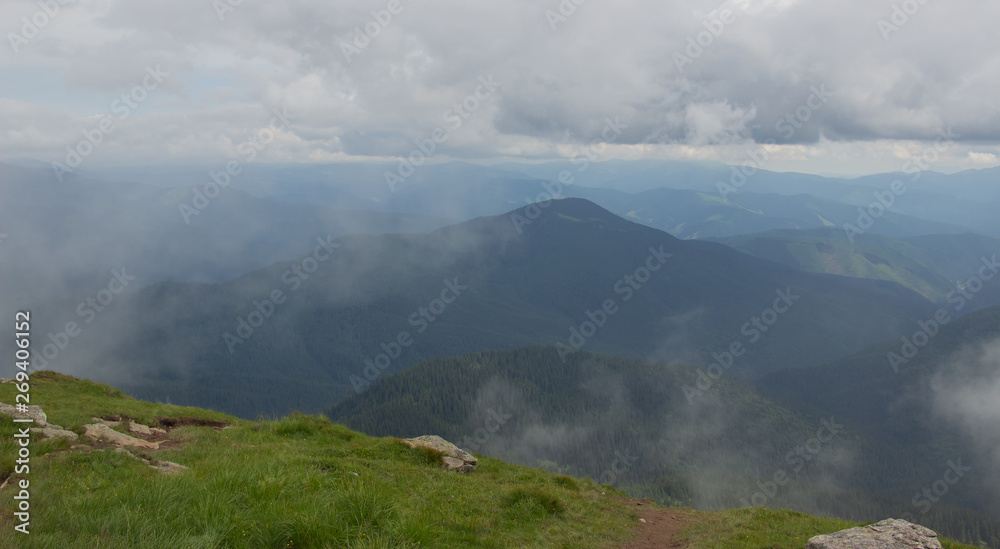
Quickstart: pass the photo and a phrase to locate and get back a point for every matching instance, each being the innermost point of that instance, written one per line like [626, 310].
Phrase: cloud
[966, 393]
[938, 70]
[983, 159]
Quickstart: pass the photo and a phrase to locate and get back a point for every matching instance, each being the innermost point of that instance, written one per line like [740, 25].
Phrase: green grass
[764, 529]
[300, 482]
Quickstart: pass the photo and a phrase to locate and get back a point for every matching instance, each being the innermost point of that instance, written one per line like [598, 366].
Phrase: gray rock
[54, 431]
[99, 431]
[887, 534]
[34, 412]
[165, 467]
[169, 467]
[139, 429]
[454, 459]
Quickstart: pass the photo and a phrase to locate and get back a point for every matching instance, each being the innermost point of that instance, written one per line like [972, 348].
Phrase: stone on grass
[54, 431]
[165, 467]
[454, 458]
[34, 412]
[140, 429]
[887, 534]
[99, 431]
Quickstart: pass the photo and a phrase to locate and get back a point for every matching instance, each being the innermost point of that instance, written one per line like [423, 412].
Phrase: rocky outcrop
[41, 421]
[453, 458]
[99, 431]
[887, 534]
[34, 412]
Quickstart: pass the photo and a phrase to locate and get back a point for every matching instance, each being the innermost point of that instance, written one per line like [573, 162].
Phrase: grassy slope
[304, 482]
[929, 265]
[871, 256]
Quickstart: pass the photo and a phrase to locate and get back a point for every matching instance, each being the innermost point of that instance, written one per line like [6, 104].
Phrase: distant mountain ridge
[383, 302]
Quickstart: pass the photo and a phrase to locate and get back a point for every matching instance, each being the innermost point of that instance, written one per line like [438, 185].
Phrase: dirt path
[660, 526]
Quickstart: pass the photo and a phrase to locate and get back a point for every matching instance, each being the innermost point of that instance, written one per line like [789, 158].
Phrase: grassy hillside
[297, 482]
[932, 265]
[304, 482]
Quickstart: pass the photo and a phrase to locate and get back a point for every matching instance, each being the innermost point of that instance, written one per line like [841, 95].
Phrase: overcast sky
[863, 96]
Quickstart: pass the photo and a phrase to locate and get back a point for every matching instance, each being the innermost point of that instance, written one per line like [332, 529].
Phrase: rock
[99, 431]
[887, 534]
[139, 429]
[454, 459]
[455, 464]
[34, 412]
[165, 467]
[54, 431]
[169, 467]
[125, 452]
[111, 424]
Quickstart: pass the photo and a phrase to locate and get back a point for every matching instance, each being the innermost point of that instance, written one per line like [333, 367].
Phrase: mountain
[935, 266]
[702, 215]
[968, 198]
[317, 329]
[67, 236]
[683, 199]
[930, 398]
[579, 416]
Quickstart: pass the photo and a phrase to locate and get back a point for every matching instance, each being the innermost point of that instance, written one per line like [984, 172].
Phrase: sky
[825, 86]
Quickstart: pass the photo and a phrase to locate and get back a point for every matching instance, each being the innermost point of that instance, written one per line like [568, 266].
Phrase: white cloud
[938, 70]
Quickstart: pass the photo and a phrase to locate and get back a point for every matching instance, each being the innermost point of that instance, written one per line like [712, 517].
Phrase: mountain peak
[579, 211]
